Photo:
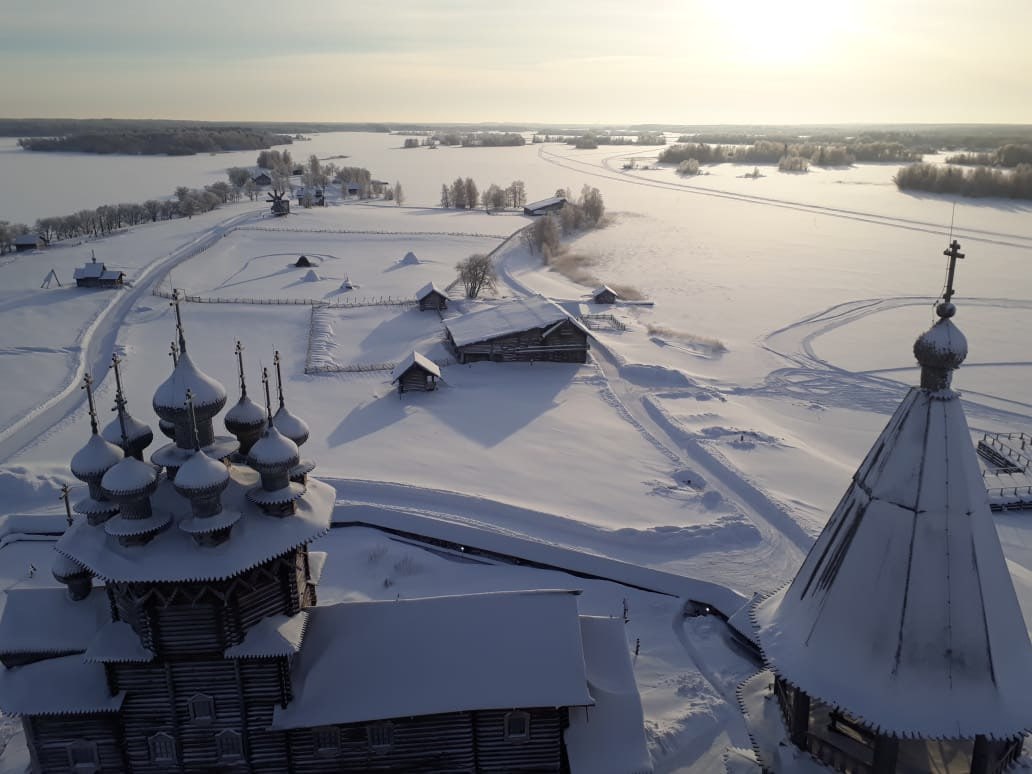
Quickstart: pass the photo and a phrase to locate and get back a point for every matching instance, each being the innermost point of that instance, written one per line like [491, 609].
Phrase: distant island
[164, 142]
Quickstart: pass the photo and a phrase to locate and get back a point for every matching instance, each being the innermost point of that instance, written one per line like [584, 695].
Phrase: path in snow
[812, 378]
[98, 342]
[967, 234]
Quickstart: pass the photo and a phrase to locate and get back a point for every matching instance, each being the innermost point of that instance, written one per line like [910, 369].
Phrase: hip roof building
[899, 646]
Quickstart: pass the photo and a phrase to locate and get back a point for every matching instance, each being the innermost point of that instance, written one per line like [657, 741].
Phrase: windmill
[280, 204]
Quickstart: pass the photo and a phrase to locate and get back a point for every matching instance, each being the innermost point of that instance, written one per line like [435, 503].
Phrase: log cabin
[431, 297]
[522, 329]
[416, 373]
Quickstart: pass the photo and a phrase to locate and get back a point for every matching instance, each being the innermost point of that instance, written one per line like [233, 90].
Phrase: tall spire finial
[268, 399]
[946, 308]
[240, 368]
[119, 394]
[174, 354]
[87, 384]
[193, 419]
[279, 377]
[179, 321]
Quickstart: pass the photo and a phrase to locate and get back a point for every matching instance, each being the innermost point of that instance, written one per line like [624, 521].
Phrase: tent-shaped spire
[904, 614]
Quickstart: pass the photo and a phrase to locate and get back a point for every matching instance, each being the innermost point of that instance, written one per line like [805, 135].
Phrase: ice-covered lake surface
[665, 452]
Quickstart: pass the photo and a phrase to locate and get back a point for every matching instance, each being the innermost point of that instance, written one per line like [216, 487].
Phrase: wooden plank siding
[566, 343]
[51, 735]
[417, 379]
[451, 742]
[433, 301]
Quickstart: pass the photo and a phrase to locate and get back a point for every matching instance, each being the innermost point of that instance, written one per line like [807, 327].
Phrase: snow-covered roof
[129, 476]
[273, 449]
[47, 620]
[24, 240]
[116, 642]
[904, 612]
[551, 201]
[504, 319]
[292, 426]
[439, 654]
[608, 738]
[171, 393]
[245, 414]
[96, 270]
[604, 289]
[95, 457]
[201, 473]
[414, 359]
[172, 555]
[427, 289]
[134, 429]
[57, 686]
[276, 635]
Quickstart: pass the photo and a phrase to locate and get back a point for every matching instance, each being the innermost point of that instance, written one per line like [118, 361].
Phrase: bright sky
[554, 61]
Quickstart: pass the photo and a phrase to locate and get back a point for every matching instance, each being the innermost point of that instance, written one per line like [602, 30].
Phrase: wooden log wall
[566, 344]
[50, 736]
[541, 752]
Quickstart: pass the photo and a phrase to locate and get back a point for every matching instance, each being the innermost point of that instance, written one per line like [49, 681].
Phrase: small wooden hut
[604, 295]
[25, 242]
[262, 178]
[431, 297]
[97, 275]
[545, 206]
[416, 373]
[523, 329]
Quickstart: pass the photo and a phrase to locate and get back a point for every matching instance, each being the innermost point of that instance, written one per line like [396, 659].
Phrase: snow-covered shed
[545, 206]
[26, 242]
[96, 275]
[521, 329]
[416, 373]
[604, 295]
[261, 177]
[431, 297]
[900, 645]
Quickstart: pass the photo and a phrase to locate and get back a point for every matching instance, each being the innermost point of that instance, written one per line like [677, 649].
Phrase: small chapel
[899, 646]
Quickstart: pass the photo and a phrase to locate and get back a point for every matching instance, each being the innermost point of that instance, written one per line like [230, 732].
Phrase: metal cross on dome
[953, 253]
[176, 296]
[87, 384]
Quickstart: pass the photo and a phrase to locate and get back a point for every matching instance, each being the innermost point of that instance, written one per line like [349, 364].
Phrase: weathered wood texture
[433, 301]
[565, 343]
[417, 379]
[50, 736]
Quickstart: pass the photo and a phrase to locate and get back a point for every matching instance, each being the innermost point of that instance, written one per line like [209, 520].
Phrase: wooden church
[188, 638]
[900, 646]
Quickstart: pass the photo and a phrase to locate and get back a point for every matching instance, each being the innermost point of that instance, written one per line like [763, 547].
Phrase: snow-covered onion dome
[202, 480]
[273, 456]
[70, 573]
[246, 420]
[130, 483]
[293, 427]
[170, 401]
[91, 462]
[941, 349]
[139, 434]
[168, 429]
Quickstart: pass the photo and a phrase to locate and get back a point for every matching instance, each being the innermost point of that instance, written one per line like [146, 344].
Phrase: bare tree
[458, 194]
[445, 196]
[476, 273]
[493, 198]
[399, 194]
[517, 193]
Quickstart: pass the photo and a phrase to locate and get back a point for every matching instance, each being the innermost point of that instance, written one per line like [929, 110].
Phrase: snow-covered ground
[664, 452]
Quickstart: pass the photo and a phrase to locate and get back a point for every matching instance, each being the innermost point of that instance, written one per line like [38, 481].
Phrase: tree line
[974, 182]
[1010, 155]
[463, 194]
[477, 139]
[171, 142]
[785, 154]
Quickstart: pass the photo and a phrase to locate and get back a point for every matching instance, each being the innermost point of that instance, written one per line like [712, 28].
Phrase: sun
[790, 32]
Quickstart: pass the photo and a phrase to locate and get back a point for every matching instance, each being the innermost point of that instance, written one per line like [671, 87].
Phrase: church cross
[953, 253]
[179, 320]
[87, 384]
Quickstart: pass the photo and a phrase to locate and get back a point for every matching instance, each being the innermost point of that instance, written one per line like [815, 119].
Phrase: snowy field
[665, 454]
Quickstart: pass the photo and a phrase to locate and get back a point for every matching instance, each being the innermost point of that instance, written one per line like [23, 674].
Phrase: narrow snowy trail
[604, 171]
[98, 341]
[784, 542]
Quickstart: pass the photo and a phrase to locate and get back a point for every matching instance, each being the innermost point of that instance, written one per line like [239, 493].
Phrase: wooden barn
[25, 242]
[604, 295]
[416, 373]
[261, 178]
[431, 297]
[523, 329]
[545, 206]
[205, 649]
[97, 275]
